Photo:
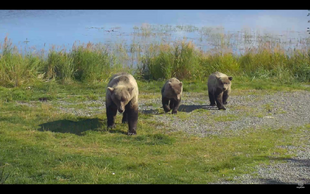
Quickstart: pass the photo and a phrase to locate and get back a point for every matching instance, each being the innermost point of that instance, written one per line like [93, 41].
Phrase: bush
[59, 65]
[90, 63]
[166, 61]
[15, 68]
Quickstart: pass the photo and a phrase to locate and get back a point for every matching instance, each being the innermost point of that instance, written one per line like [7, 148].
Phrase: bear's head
[225, 82]
[176, 88]
[121, 96]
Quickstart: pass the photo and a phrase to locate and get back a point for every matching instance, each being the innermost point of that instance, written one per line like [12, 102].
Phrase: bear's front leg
[111, 111]
[132, 115]
[176, 106]
[165, 102]
[219, 102]
[172, 104]
[211, 98]
[225, 96]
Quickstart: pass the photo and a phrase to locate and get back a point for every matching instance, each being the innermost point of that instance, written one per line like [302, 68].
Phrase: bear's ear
[181, 84]
[170, 84]
[230, 78]
[111, 89]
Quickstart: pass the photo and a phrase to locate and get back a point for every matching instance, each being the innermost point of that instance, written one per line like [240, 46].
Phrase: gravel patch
[279, 110]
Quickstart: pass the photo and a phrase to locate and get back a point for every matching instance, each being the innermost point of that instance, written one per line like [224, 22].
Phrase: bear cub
[171, 95]
[219, 87]
[122, 96]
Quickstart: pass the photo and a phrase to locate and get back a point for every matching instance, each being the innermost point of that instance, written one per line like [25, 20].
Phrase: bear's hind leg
[111, 111]
[211, 98]
[165, 102]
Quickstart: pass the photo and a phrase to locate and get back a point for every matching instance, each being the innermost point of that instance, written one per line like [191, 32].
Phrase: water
[44, 28]
[41, 29]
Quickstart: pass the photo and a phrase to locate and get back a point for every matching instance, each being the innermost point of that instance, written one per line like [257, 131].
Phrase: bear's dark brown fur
[172, 92]
[122, 95]
[219, 87]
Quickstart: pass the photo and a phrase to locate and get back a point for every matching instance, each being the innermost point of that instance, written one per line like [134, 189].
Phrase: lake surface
[64, 27]
[43, 28]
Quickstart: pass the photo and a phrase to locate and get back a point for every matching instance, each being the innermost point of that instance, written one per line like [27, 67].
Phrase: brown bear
[122, 95]
[219, 87]
[172, 92]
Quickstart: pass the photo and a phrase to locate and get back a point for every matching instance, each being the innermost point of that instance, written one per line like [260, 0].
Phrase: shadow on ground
[182, 108]
[74, 127]
[190, 108]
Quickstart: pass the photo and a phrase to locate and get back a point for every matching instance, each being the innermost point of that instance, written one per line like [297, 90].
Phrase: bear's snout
[121, 110]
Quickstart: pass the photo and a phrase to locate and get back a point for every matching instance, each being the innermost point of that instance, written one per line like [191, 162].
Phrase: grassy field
[41, 144]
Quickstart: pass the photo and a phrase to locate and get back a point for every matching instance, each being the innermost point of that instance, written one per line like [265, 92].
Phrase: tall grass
[165, 61]
[15, 68]
[86, 63]
[90, 63]
[185, 61]
[59, 65]
[155, 54]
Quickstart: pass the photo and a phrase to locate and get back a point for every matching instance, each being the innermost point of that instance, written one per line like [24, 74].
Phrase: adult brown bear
[172, 92]
[219, 87]
[122, 95]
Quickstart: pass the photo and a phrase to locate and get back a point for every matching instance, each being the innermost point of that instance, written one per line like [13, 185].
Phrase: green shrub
[90, 63]
[15, 68]
[59, 65]
[166, 61]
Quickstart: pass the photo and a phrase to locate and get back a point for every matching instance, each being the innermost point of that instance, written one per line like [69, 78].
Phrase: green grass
[228, 117]
[40, 144]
